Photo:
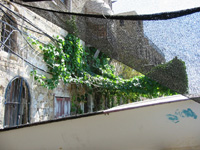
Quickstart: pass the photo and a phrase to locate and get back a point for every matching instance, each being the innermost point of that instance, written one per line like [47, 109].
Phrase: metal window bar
[6, 35]
[19, 100]
[27, 21]
[25, 34]
[7, 39]
[22, 33]
[10, 103]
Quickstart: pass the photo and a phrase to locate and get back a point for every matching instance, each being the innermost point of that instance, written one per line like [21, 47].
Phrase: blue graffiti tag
[189, 113]
[173, 118]
[183, 114]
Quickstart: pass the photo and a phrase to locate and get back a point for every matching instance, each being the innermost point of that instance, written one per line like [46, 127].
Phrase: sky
[175, 37]
[153, 6]
[179, 37]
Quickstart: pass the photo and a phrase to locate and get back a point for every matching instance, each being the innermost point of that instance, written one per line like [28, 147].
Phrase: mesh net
[164, 47]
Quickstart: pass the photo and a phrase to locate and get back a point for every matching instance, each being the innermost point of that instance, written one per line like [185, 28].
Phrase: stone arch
[17, 103]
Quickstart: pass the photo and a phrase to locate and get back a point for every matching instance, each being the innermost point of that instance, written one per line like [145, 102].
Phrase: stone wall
[133, 42]
[11, 66]
[77, 5]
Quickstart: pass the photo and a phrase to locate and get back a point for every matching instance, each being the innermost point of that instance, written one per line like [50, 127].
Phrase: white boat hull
[161, 125]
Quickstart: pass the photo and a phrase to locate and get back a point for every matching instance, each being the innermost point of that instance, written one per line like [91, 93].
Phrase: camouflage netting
[165, 47]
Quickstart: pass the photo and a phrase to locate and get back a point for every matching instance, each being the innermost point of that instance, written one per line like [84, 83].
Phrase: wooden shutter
[62, 107]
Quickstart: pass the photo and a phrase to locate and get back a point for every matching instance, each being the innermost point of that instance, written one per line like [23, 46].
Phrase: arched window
[17, 103]
[8, 33]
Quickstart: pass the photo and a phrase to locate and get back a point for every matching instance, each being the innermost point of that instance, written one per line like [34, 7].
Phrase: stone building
[131, 39]
[22, 100]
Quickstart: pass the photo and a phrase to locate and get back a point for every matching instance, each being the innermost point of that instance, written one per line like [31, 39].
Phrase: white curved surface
[138, 128]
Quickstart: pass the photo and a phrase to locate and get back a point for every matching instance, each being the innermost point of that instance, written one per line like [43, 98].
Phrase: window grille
[8, 33]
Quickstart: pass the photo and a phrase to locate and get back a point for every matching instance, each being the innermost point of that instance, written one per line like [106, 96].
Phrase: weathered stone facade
[42, 101]
[12, 66]
[145, 54]
[108, 36]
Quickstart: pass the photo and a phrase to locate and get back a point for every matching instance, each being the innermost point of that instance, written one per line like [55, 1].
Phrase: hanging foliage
[75, 65]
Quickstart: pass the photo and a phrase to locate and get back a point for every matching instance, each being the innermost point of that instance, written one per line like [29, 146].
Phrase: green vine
[75, 65]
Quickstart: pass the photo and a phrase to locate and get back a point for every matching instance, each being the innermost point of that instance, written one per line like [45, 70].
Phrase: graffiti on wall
[185, 113]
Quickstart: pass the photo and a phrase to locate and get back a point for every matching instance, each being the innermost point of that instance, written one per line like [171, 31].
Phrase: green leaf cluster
[74, 64]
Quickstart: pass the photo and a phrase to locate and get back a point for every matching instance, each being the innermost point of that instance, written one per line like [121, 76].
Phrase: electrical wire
[20, 25]
[157, 16]
[29, 46]
[21, 32]
[29, 22]
[25, 59]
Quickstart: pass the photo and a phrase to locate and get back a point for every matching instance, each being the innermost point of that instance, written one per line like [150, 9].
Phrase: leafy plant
[76, 66]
